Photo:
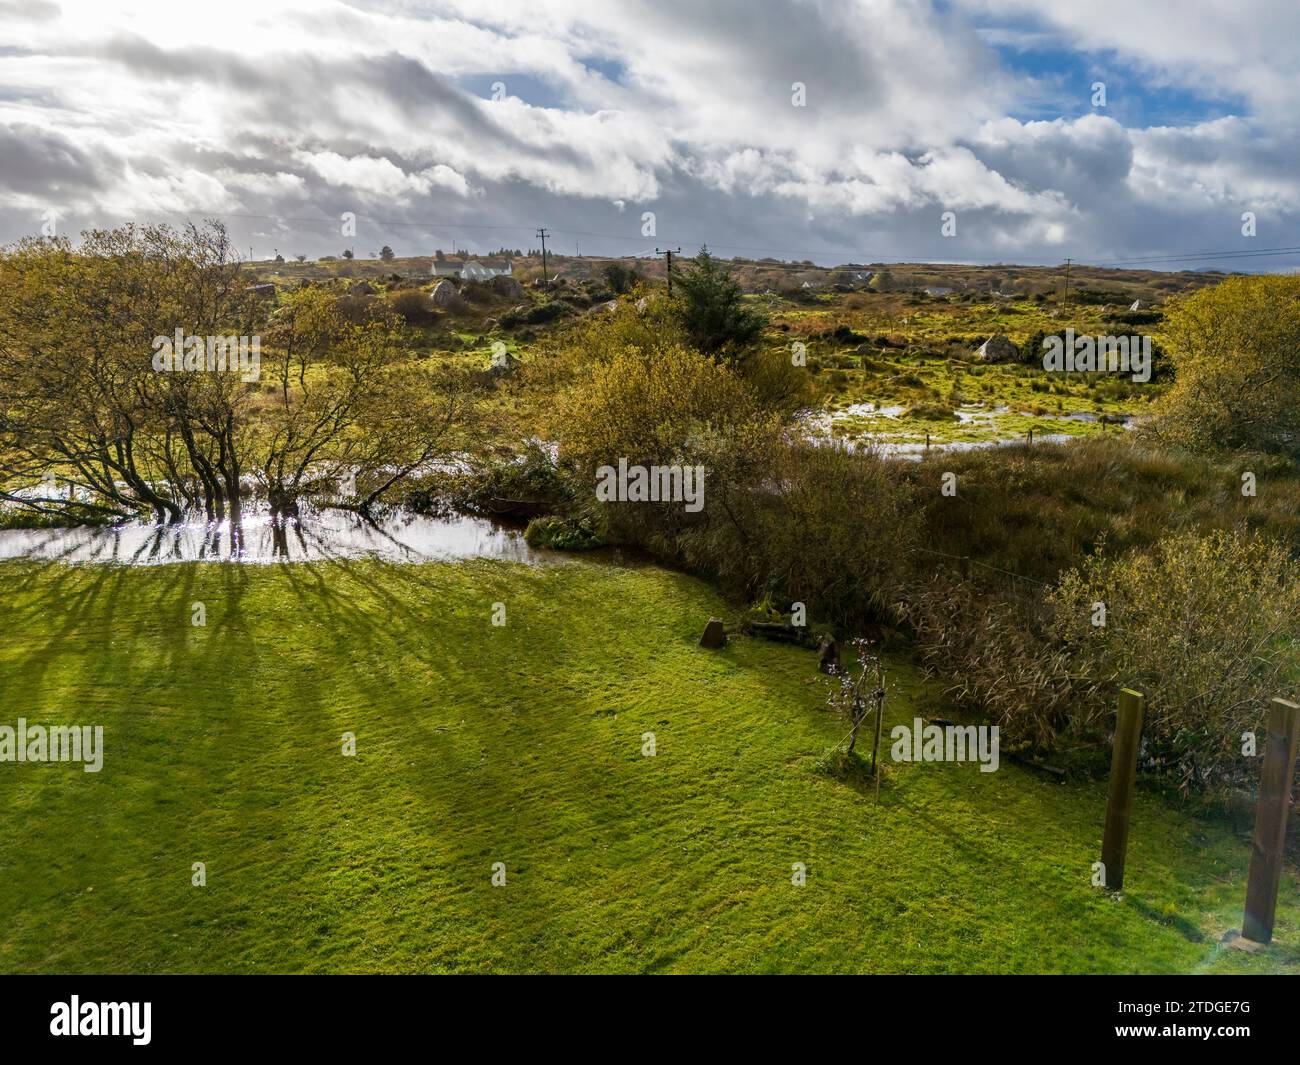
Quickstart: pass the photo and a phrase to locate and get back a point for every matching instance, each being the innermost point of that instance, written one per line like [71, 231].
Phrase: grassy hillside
[522, 744]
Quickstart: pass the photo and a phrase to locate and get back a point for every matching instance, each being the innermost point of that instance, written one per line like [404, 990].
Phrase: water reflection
[399, 536]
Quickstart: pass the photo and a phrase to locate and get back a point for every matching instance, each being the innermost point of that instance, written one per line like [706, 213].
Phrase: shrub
[834, 529]
[822, 526]
[777, 383]
[992, 645]
[413, 306]
[620, 278]
[563, 534]
[1206, 626]
[648, 408]
[537, 314]
[1237, 376]
[530, 481]
[932, 412]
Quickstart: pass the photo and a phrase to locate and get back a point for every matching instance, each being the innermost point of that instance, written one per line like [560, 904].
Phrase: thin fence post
[1270, 820]
[1123, 778]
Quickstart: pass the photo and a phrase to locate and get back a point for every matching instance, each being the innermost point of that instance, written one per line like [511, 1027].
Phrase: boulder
[714, 634]
[829, 655]
[997, 349]
[444, 294]
[502, 365]
[504, 285]
[362, 288]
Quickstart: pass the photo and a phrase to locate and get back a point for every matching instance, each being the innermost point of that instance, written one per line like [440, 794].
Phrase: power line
[1207, 255]
[541, 232]
[1224, 255]
[669, 253]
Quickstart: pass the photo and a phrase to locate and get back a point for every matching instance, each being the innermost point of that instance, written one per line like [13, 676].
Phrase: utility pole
[541, 232]
[1067, 279]
[669, 253]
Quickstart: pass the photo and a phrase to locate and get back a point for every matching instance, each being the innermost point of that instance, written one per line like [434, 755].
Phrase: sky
[1106, 131]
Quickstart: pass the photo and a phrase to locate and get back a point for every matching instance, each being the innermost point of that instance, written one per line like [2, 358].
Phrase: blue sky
[1064, 80]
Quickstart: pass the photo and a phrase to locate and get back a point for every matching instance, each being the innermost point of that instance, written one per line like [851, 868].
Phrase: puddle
[860, 410]
[973, 414]
[399, 537]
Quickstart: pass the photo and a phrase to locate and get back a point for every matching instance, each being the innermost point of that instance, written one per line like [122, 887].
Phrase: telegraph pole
[541, 232]
[1067, 279]
[669, 253]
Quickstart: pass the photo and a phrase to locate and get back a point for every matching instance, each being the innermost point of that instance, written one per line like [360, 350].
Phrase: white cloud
[288, 108]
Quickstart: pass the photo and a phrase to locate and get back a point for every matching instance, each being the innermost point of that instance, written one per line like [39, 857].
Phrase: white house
[473, 269]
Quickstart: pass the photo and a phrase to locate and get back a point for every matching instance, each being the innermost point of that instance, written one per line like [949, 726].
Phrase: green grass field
[522, 744]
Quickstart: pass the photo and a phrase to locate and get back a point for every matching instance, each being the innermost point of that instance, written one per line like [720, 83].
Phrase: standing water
[399, 536]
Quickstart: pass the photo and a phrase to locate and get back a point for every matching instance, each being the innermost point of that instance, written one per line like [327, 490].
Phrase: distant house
[473, 269]
[938, 290]
[486, 269]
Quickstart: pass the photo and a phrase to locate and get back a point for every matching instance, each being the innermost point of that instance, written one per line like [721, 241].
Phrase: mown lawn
[522, 744]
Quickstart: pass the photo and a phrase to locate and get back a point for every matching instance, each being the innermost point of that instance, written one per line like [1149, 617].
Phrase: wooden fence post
[1123, 777]
[1270, 820]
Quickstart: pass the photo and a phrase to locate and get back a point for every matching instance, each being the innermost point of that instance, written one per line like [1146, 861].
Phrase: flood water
[400, 536]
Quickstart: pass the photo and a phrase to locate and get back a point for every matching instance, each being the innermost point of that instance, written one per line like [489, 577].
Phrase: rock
[997, 349]
[1136, 305]
[714, 634]
[362, 288]
[504, 285]
[444, 294]
[829, 655]
[641, 304]
[608, 308]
